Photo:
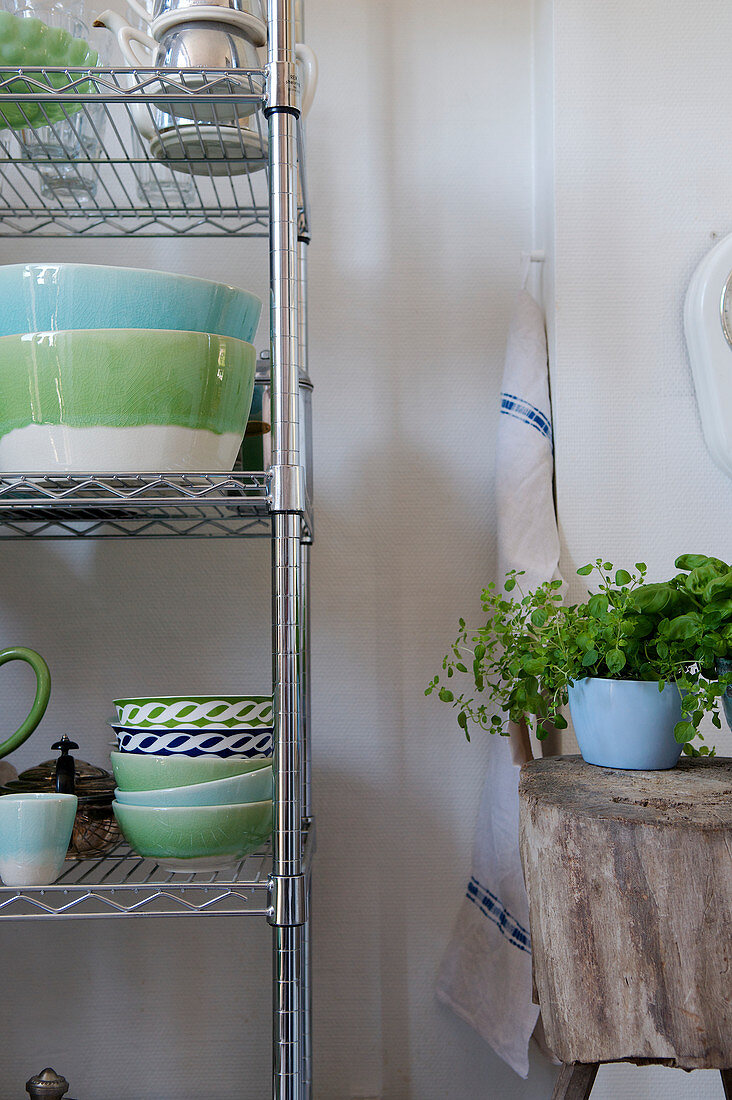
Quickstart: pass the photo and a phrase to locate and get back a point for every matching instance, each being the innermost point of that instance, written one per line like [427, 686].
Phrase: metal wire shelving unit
[124, 884]
[82, 168]
[144, 505]
[209, 181]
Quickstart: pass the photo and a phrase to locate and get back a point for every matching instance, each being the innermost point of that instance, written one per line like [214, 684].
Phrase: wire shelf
[144, 505]
[134, 152]
[124, 884]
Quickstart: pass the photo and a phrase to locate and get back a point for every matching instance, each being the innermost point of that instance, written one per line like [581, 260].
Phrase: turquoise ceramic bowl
[236, 790]
[195, 838]
[147, 772]
[54, 297]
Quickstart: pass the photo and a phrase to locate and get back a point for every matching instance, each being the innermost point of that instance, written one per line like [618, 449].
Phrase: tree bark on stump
[629, 877]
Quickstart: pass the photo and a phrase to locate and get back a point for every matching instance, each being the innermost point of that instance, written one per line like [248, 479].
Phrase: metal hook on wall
[527, 259]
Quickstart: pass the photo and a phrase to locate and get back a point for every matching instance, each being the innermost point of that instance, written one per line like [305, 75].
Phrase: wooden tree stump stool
[629, 877]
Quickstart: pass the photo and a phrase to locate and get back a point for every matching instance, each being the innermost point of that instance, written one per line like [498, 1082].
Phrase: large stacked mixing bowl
[117, 370]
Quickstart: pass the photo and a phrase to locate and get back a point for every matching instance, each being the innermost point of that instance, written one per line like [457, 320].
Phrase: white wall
[640, 191]
[420, 177]
[421, 188]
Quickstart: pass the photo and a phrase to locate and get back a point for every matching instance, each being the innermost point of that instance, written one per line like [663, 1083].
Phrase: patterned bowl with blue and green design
[226, 743]
[27, 43]
[196, 712]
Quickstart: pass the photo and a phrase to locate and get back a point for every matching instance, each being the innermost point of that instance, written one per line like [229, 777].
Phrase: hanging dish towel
[485, 975]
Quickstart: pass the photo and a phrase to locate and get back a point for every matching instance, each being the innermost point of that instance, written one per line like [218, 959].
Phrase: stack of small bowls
[194, 778]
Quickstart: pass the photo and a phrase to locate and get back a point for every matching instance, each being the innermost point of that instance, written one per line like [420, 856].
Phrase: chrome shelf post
[290, 892]
[220, 191]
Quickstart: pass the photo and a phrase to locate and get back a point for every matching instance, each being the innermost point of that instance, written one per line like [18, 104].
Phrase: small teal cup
[626, 724]
[35, 830]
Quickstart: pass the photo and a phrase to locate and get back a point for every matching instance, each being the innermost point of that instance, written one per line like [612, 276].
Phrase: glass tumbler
[157, 185]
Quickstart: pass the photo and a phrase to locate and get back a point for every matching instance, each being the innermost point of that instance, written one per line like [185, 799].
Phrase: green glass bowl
[195, 838]
[30, 44]
[148, 772]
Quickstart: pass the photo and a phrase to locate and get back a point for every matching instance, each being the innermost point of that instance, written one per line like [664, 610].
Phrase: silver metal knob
[47, 1085]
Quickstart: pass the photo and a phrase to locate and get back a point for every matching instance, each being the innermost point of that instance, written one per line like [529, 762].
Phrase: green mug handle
[43, 694]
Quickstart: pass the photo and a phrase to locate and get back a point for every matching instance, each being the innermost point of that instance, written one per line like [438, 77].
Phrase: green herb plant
[533, 646]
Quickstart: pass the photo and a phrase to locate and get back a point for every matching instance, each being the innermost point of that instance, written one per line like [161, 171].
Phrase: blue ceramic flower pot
[724, 667]
[626, 724]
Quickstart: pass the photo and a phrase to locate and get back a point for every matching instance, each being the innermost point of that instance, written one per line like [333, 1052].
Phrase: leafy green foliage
[533, 646]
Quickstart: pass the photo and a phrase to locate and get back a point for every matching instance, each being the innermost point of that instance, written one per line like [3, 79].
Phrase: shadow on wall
[144, 1008]
[128, 618]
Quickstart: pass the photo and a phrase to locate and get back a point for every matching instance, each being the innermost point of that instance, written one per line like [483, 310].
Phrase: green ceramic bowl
[123, 400]
[195, 838]
[29, 43]
[237, 790]
[146, 773]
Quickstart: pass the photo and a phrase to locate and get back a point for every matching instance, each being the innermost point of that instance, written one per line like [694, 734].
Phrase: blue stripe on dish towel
[492, 908]
[524, 410]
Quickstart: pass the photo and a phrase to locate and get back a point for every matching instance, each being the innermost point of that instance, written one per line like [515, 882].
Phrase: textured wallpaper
[641, 192]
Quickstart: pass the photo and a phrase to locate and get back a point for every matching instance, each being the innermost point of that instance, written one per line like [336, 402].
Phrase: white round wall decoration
[708, 329]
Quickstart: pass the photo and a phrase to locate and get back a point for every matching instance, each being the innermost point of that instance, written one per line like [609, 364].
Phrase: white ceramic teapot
[200, 45]
[191, 40]
[247, 14]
